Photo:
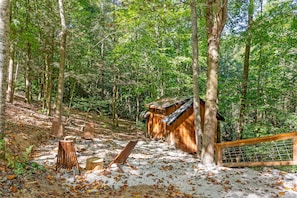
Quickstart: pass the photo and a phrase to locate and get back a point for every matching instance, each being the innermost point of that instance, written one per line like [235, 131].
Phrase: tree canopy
[124, 54]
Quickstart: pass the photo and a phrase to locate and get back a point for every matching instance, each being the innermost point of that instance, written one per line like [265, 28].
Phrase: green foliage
[272, 82]
[2, 144]
[147, 48]
[21, 164]
[290, 169]
[26, 154]
[92, 105]
[2, 149]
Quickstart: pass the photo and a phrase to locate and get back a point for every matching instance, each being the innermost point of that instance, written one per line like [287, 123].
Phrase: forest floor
[161, 170]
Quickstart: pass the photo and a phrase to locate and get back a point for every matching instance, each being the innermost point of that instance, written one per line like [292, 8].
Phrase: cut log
[66, 158]
[57, 128]
[89, 130]
[94, 163]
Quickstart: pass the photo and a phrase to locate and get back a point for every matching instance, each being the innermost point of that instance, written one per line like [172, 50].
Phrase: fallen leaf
[227, 182]
[49, 177]
[11, 177]
[13, 189]
[281, 193]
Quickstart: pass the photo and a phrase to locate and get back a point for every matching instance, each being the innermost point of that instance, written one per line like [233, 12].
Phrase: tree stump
[66, 155]
[94, 163]
[89, 130]
[57, 128]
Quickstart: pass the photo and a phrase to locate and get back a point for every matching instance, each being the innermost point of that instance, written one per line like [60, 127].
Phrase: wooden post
[218, 152]
[295, 149]
[66, 155]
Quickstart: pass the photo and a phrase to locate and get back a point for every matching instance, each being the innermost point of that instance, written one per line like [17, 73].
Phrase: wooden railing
[273, 150]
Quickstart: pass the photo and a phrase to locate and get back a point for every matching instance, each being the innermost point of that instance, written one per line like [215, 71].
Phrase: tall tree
[28, 56]
[259, 67]
[62, 37]
[4, 49]
[245, 78]
[195, 65]
[216, 16]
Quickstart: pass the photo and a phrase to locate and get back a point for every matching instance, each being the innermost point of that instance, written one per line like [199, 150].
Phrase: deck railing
[273, 150]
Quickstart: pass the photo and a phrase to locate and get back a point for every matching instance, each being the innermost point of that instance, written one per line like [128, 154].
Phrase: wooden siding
[184, 135]
[155, 127]
[181, 131]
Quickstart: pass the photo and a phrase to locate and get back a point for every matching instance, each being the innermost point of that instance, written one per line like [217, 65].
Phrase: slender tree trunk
[4, 49]
[11, 68]
[102, 51]
[71, 97]
[137, 109]
[196, 99]
[259, 70]
[245, 77]
[49, 79]
[41, 84]
[114, 102]
[28, 59]
[216, 15]
[28, 75]
[57, 127]
[62, 37]
[102, 73]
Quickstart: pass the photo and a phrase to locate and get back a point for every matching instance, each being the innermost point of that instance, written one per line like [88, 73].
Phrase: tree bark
[4, 49]
[115, 118]
[196, 99]
[216, 15]
[62, 37]
[245, 77]
[259, 76]
[28, 59]
[10, 79]
[48, 76]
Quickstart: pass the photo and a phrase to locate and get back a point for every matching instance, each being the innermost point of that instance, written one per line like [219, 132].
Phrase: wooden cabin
[173, 119]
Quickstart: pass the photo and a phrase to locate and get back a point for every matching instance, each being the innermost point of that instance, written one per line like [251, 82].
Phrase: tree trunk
[259, 77]
[216, 15]
[71, 97]
[62, 37]
[28, 59]
[4, 49]
[245, 76]
[27, 75]
[49, 79]
[114, 102]
[137, 109]
[196, 99]
[11, 68]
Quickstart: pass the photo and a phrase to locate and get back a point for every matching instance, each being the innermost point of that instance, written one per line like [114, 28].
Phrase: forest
[121, 55]
[112, 57]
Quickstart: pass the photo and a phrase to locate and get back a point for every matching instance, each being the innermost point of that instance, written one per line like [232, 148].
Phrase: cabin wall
[184, 135]
[155, 127]
[182, 131]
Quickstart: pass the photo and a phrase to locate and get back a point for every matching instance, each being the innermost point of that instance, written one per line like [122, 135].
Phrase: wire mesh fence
[262, 152]
[270, 151]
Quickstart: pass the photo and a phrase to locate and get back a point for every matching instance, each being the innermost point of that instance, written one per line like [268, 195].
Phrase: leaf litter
[162, 170]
